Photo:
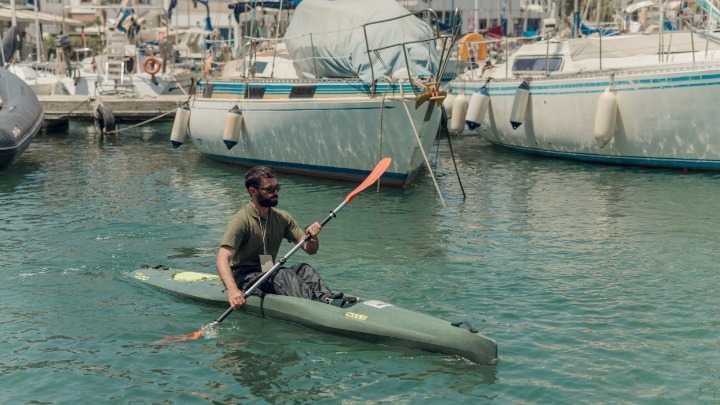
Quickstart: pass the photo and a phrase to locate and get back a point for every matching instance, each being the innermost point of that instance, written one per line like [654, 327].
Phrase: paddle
[374, 176]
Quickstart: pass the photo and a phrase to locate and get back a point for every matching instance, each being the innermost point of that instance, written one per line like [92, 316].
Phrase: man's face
[267, 193]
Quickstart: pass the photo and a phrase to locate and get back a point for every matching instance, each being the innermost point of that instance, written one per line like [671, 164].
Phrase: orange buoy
[476, 51]
[152, 65]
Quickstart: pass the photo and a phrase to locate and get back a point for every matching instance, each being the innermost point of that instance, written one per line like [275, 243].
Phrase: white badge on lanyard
[266, 263]
[266, 260]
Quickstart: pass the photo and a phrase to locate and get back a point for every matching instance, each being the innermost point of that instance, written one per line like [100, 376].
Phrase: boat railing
[376, 51]
[477, 55]
[138, 53]
[698, 46]
[711, 8]
[252, 47]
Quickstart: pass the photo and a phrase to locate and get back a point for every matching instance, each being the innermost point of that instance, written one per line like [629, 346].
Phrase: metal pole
[37, 33]
[13, 17]
[576, 18]
[476, 20]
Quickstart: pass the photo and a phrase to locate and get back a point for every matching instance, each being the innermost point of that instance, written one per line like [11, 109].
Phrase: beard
[268, 202]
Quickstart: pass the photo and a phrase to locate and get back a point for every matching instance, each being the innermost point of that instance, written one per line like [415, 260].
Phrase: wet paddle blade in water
[179, 338]
[209, 331]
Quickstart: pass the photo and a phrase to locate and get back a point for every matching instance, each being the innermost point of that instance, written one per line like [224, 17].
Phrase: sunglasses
[270, 189]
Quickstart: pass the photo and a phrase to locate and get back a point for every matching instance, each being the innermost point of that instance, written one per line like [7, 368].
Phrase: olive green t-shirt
[246, 230]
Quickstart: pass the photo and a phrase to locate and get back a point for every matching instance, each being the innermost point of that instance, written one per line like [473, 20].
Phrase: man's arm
[235, 296]
[313, 244]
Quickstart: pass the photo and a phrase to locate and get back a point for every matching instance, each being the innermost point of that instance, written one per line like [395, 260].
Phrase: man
[252, 241]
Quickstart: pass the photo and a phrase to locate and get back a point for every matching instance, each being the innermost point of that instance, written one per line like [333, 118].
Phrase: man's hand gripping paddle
[372, 177]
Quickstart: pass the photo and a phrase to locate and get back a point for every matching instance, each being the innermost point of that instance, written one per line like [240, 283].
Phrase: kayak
[368, 320]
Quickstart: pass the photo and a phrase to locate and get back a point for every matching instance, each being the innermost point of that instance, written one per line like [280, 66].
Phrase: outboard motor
[11, 42]
[63, 46]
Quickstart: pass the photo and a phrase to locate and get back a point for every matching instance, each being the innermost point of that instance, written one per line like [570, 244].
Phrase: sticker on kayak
[377, 304]
[192, 276]
[353, 315]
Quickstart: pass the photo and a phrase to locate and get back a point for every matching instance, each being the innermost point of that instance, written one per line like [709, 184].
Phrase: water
[600, 284]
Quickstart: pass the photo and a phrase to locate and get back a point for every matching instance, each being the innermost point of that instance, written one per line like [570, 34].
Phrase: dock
[59, 109]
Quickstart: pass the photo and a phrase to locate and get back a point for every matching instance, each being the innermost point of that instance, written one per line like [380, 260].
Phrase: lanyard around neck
[264, 229]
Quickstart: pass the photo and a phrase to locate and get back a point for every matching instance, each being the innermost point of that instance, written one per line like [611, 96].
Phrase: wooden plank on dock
[64, 107]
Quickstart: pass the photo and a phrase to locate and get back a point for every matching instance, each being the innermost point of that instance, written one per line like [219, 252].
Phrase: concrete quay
[61, 108]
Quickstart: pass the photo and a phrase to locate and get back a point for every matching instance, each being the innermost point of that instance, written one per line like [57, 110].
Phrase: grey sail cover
[326, 38]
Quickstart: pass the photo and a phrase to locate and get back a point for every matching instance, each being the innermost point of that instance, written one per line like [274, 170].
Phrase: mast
[476, 20]
[13, 19]
[576, 18]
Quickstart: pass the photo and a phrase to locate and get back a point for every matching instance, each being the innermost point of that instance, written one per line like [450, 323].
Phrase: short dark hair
[255, 175]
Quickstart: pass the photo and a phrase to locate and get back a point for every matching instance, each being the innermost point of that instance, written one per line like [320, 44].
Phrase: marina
[462, 272]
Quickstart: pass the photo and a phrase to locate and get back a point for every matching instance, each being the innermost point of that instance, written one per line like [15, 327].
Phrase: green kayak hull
[368, 320]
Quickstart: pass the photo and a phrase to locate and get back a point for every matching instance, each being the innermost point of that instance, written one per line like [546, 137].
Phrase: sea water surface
[600, 284]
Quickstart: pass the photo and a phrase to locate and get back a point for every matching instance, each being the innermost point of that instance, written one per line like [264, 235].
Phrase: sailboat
[645, 99]
[325, 102]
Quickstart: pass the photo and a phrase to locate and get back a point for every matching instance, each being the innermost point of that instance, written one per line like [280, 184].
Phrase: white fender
[180, 126]
[457, 122]
[448, 104]
[477, 108]
[605, 117]
[522, 95]
[233, 127]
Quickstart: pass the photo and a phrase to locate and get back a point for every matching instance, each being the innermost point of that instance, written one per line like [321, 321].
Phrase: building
[517, 16]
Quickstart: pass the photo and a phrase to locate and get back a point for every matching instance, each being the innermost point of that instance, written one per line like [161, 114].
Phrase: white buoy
[477, 108]
[457, 122]
[180, 126]
[233, 127]
[606, 117]
[448, 104]
[522, 95]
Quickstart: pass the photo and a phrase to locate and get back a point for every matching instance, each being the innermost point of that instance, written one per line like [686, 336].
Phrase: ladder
[115, 64]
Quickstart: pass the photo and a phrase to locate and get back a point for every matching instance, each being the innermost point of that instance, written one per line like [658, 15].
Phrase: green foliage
[93, 42]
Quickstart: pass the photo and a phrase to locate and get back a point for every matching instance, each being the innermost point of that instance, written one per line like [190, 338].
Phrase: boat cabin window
[303, 91]
[260, 67]
[537, 64]
[255, 91]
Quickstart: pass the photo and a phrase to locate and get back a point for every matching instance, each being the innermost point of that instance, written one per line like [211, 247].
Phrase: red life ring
[151, 65]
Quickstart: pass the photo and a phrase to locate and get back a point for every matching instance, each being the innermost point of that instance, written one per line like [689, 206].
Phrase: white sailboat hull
[666, 112]
[330, 137]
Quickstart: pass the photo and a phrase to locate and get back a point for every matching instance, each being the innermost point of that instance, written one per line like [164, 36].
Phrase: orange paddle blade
[374, 175]
[195, 335]
[180, 338]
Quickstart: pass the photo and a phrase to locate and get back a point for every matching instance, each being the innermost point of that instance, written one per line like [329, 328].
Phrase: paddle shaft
[280, 262]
